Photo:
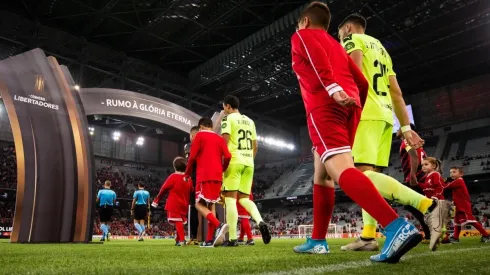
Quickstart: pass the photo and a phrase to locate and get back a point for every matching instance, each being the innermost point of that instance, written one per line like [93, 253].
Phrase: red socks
[323, 203]
[180, 231]
[480, 229]
[361, 190]
[210, 235]
[457, 231]
[213, 220]
[242, 231]
[245, 226]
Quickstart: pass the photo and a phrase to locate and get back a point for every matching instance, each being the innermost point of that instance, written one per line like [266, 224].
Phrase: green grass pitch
[162, 257]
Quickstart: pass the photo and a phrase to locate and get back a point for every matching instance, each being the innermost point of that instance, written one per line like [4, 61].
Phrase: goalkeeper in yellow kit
[372, 143]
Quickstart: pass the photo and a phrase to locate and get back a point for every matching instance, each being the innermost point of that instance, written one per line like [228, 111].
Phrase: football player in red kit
[461, 198]
[244, 218]
[178, 198]
[210, 152]
[334, 91]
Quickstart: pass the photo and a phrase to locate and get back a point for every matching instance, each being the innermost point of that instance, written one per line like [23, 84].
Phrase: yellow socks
[370, 224]
[395, 191]
[251, 209]
[231, 217]
[392, 190]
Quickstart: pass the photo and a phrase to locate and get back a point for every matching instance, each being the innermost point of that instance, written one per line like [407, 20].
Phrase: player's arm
[414, 160]
[305, 44]
[255, 144]
[167, 185]
[453, 185]
[114, 199]
[134, 202]
[226, 129]
[98, 197]
[423, 185]
[399, 106]
[226, 155]
[360, 80]
[438, 184]
[219, 119]
[400, 109]
[195, 151]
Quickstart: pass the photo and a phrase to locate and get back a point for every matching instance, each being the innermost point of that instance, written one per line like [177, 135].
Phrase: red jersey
[433, 186]
[178, 193]
[323, 67]
[210, 152]
[406, 165]
[461, 197]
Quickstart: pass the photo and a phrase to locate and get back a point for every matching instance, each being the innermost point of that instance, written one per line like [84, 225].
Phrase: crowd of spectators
[8, 167]
[6, 212]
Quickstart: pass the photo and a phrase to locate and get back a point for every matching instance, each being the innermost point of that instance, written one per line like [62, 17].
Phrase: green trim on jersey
[377, 68]
[242, 134]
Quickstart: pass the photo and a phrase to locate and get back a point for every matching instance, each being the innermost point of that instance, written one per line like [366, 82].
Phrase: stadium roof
[193, 52]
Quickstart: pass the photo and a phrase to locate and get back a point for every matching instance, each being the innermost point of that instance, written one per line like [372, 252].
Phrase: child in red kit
[178, 189]
[461, 198]
[433, 186]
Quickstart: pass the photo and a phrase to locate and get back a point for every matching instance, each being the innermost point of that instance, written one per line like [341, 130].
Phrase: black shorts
[140, 211]
[105, 213]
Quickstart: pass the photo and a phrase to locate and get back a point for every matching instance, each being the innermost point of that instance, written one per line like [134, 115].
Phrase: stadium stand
[467, 147]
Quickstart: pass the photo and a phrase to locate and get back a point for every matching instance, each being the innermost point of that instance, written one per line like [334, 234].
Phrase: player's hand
[154, 204]
[413, 139]
[413, 180]
[343, 99]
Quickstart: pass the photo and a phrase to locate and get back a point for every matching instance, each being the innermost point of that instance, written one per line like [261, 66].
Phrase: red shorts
[333, 128]
[462, 218]
[209, 191]
[173, 217]
[242, 212]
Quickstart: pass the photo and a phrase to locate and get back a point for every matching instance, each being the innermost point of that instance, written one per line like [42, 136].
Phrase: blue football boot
[401, 236]
[312, 247]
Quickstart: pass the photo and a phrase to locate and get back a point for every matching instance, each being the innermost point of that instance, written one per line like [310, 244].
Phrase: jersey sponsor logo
[349, 46]
[347, 38]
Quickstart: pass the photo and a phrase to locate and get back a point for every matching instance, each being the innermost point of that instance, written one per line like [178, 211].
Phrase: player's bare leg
[323, 203]
[401, 236]
[208, 211]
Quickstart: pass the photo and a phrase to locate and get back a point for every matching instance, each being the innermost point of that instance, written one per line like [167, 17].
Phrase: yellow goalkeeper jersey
[377, 68]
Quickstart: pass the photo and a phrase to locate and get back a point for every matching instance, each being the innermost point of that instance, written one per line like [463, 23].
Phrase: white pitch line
[358, 264]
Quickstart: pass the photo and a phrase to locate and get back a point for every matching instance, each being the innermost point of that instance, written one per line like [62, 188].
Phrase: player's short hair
[206, 122]
[180, 164]
[318, 13]
[194, 129]
[233, 101]
[356, 19]
[107, 183]
[141, 184]
[459, 168]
